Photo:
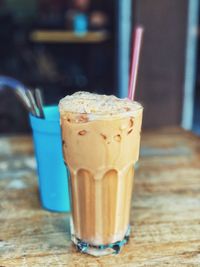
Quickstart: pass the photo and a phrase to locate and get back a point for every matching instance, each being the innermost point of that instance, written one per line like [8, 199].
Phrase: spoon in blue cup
[32, 100]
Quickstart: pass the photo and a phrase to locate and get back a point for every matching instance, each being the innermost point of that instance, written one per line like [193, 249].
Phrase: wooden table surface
[165, 215]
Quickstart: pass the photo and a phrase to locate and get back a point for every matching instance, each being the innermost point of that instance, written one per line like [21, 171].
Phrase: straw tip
[139, 28]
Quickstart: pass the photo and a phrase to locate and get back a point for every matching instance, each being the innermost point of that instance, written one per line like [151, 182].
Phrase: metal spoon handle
[39, 102]
[23, 98]
[32, 102]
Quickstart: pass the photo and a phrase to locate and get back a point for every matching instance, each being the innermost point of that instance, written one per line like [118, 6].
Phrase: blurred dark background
[62, 46]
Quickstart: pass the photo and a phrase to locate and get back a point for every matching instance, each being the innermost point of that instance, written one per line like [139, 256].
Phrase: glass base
[101, 250]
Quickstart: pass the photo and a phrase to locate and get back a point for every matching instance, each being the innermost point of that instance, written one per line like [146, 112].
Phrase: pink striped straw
[138, 33]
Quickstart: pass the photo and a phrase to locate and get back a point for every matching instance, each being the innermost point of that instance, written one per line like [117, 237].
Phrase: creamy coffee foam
[95, 104]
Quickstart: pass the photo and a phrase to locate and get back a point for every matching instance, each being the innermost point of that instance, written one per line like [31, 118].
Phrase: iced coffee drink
[101, 140]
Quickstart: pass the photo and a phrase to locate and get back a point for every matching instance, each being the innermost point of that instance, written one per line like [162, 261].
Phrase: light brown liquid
[100, 155]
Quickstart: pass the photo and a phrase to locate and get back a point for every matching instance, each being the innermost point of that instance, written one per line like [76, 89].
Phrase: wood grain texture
[165, 215]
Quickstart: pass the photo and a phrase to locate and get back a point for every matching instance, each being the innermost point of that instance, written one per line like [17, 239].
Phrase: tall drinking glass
[100, 149]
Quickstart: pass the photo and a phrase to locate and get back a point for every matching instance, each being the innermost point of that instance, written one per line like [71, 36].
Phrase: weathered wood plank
[165, 209]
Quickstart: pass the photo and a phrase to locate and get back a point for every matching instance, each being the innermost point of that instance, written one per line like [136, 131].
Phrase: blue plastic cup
[53, 180]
